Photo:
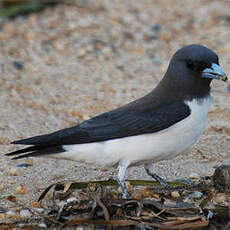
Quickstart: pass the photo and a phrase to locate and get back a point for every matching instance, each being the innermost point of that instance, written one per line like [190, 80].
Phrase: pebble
[11, 213]
[106, 51]
[195, 195]
[11, 198]
[14, 172]
[30, 161]
[42, 225]
[72, 200]
[36, 204]
[175, 194]
[81, 53]
[18, 65]
[221, 176]
[25, 213]
[194, 176]
[79, 228]
[85, 117]
[221, 198]
[156, 27]
[23, 165]
[21, 189]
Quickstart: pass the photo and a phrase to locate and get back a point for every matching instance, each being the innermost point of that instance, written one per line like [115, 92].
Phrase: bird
[160, 125]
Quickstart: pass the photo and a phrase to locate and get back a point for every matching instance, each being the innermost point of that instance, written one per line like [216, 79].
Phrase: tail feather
[37, 140]
[35, 151]
[29, 149]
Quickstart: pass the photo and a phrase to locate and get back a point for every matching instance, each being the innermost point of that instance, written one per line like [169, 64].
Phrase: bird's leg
[150, 171]
[121, 178]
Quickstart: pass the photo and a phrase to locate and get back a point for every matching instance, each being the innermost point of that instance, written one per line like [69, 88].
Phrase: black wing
[110, 125]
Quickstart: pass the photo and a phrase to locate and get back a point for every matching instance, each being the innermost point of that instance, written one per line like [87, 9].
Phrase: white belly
[148, 147]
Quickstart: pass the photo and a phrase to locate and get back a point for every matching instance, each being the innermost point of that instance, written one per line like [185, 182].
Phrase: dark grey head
[191, 71]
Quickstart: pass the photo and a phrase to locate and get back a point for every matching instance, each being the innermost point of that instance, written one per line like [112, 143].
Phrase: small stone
[221, 198]
[81, 53]
[156, 27]
[18, 65]
[11, 213]
[194, 176]
[25, 213]
[23, 165]
[175, 194]
[85, 117]
[21, 189]
[11, 198]
[30, 161]
[106, 51]
[195, 195]
[14, 172]
[221, 176]
[71, 200]
[80, 228]
[42, 225]
[36, 204]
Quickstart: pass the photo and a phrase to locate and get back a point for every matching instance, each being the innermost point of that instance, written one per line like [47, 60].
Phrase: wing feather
[110, 125]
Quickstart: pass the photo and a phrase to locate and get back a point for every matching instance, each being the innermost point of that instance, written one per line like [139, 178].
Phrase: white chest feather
[148, 147]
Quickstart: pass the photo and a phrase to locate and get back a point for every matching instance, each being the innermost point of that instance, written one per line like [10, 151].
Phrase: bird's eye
[190, 64]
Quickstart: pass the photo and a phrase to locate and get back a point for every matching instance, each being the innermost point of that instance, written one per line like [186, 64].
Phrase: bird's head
[192, 69]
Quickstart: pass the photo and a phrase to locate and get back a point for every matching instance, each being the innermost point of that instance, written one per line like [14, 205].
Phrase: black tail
[37, 140]
[35, 151]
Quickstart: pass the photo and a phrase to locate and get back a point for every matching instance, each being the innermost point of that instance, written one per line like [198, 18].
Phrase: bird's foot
[157, 178]
[150, 171]
[160, 180]
[186, 181]
[126, 195]
[124, 190]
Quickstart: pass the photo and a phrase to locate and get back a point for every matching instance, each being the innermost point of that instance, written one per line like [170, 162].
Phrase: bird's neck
[186, 91]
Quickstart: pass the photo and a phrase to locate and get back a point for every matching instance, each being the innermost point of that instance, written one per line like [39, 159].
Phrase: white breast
[148, 147]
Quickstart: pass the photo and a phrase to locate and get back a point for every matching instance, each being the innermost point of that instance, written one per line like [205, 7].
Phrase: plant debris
[100, 203]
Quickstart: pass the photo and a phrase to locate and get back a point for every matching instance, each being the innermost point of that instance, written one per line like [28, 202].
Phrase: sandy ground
[81, 60]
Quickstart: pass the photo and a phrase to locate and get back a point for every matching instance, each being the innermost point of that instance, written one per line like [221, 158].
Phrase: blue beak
[215, 72]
